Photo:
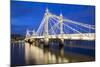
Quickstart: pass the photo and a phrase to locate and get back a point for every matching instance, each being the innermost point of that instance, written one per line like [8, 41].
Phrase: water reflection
[42, 55]
[23, 53]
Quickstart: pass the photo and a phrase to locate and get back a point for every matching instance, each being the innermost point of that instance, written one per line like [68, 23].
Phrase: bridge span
[85, 36]
[59, 27]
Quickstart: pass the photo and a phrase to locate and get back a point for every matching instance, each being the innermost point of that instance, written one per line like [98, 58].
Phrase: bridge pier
[62, 40]
[30, 41]
[61, 43]
[46, 41]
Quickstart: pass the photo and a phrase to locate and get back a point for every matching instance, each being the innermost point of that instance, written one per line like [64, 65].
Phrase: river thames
[23, 53]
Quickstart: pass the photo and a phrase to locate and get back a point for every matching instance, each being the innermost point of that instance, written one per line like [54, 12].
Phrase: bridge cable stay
[54, 26]
[52, 31]
[78, 23]
[66, 29]
[74, 22]
[74, 29]
[54, 22]
[54, 16]
[41, 25]
[79, 28]
[92, 26]
[70, 28]
[40, 31]
[85, 31]
[54, 19]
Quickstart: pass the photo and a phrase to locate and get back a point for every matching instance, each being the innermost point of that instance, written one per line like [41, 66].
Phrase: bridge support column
[46, 27]
[61, 24]
[62, 40]
[61, 28]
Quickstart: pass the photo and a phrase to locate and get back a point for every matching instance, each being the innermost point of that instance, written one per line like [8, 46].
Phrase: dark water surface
[23, 53]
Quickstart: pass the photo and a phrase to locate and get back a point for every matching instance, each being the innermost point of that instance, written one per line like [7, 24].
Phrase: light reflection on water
[23, 53]
[42, 55]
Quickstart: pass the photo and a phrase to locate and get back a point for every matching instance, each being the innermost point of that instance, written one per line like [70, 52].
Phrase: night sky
[29, 14]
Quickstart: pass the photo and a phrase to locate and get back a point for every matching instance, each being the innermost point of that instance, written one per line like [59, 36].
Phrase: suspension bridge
[53, 26]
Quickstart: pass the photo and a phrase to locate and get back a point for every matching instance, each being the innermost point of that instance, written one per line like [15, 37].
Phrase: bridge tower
[61, 26]
[46, 25]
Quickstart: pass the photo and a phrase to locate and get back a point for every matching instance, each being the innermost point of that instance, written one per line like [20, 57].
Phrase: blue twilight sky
[29, 14]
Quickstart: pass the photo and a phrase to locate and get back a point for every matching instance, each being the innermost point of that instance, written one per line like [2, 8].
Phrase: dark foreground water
[23, 53]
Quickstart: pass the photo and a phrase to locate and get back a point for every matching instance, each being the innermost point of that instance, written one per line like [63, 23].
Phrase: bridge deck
[84, 36]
